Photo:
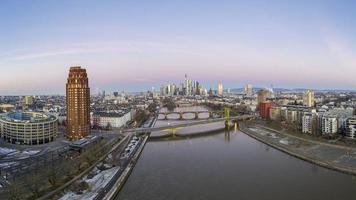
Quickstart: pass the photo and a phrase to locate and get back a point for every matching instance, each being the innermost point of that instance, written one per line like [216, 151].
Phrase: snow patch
[97, 182]
[284, 141]
[5, 151]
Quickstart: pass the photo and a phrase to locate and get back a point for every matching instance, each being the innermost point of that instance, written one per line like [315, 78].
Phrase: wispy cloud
[96, 47]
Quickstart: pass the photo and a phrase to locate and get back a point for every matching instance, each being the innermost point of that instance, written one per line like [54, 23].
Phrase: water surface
[229, 166]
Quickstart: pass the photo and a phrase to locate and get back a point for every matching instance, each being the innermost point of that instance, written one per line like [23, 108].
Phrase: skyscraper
[308, 98]
[78, 104]
[220, 89]
[248, 90]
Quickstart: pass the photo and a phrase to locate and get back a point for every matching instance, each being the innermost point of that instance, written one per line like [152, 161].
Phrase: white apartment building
[307, 123]
[114, 120]
[329, 125]
[351, 128]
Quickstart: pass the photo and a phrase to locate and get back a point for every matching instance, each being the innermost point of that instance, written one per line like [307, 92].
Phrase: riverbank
[119, 179]
[117, 186]
[326, 155]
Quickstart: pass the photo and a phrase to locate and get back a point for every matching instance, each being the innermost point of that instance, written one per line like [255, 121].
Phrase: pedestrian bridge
[190, 115]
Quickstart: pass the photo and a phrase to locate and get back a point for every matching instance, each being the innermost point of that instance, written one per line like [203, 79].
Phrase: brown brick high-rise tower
[78, 104]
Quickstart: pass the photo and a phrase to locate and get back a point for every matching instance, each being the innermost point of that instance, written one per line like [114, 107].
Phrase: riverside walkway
[331, 156]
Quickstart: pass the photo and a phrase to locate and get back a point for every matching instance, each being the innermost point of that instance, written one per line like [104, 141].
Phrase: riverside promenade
[332, 156]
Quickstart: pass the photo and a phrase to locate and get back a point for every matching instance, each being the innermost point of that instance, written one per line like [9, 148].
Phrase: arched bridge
[147, 130]
[181, 115]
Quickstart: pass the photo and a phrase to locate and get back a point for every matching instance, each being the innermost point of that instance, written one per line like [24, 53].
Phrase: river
[229, 166]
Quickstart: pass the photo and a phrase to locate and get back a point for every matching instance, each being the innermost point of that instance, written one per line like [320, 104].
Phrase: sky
[134, 45]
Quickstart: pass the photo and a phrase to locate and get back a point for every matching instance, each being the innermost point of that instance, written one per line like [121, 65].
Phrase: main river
[229, 166]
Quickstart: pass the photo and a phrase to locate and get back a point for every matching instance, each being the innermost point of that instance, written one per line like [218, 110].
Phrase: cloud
[64, 51]
[98, 47]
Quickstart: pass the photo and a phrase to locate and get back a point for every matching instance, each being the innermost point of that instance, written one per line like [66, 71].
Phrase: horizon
[96, 92]
[135, 46]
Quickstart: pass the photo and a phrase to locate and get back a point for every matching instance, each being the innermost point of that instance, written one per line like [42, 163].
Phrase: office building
[248, 90]
[220, 89]
[78, 104]
[29, 128]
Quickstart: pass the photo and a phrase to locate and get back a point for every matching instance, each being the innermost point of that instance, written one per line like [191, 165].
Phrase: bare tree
[15, 192]
[53, 176]
[34, 184]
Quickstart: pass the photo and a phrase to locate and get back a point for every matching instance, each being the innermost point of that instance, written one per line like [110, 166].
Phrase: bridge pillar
[211, 115]
[196, 115]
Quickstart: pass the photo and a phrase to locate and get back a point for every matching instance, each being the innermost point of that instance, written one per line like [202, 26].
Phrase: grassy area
[339, 140]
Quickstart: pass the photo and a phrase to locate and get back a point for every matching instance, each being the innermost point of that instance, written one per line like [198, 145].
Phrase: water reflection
[227, 135]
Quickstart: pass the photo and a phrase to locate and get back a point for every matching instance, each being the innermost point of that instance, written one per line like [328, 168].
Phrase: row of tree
[169, 103]
[50, 177]
[234, 110]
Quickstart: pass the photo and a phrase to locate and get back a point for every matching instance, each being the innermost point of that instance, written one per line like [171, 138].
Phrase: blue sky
[134, 45]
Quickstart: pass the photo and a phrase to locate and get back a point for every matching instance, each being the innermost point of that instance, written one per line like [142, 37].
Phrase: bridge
[212, 114]
[151, 129]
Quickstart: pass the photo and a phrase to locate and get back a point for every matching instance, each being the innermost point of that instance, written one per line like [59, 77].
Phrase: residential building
[275, 113]
[308, 98]
[329, 125]
[111, 119]
[265, 109]
[351, 128]
[307, 122]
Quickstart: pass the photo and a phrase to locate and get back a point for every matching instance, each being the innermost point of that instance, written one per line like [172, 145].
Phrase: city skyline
[134, 46]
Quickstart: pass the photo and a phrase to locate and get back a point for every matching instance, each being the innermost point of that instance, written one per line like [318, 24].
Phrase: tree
[169, 103]
[34, 184]
[140, 117]
[15, 191]
[67, 168]
[53, 176]
[152, 107]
